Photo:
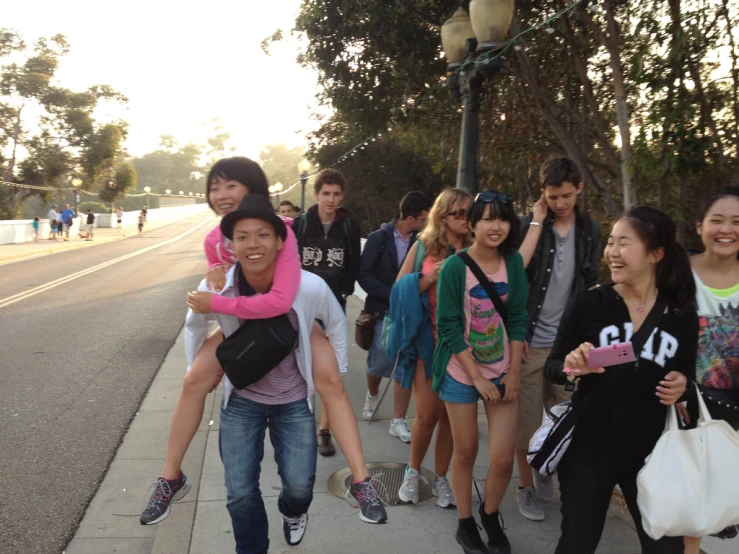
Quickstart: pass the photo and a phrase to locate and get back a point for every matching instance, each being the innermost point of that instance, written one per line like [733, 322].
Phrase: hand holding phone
[613, 354]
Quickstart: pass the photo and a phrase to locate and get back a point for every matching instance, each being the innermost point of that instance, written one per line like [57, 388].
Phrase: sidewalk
[27, 250]
[200, 524]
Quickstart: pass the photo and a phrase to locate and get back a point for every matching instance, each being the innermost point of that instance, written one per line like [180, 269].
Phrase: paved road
[75, 362]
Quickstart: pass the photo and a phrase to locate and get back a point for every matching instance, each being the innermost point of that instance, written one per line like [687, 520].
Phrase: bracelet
[535, 223]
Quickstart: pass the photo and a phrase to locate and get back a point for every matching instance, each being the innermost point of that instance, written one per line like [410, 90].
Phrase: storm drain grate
[388, 477]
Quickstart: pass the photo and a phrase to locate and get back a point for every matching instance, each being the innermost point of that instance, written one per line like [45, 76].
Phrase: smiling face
[627, 256]
[562, 200]
[491, 231]
[224, 195]
[719, 229]
[256, 245]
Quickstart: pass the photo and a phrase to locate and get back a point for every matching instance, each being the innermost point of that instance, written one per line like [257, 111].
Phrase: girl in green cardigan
[478, 356]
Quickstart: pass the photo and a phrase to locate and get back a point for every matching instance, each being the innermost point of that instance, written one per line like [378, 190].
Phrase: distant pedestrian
[52, 222]
[60, 224]
[68, 216]
[90, 223]
[287, 209]
[142, 220]
[383, 255]
[36, 224]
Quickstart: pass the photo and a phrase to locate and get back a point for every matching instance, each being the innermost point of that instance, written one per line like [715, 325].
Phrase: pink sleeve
[280, 297]
[213, 243]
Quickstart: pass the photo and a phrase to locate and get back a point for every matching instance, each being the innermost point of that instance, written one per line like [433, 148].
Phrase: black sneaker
[325, 446]
[468, 537]
[294, 528]
[364, 496]
[493, 525]
[165, 492]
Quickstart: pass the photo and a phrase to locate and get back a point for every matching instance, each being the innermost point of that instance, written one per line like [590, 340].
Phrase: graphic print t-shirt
[717, 366]
[484, 330]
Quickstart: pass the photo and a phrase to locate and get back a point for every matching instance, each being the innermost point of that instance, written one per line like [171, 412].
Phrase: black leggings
[586, 482]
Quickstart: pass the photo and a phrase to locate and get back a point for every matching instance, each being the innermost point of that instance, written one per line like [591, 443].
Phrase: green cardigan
[450, 323]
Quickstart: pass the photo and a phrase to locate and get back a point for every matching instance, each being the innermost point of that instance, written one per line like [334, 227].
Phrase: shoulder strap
[420, 256]
[640, 338]
[348, 234]
[487, 285]
[302, 225]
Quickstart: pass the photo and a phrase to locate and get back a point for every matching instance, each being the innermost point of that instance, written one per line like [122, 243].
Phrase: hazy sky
[182, 64]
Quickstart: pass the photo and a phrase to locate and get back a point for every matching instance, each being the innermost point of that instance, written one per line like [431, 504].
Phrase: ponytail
[674, 276]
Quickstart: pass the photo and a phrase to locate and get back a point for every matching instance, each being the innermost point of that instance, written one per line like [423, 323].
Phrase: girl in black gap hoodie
[612, 438]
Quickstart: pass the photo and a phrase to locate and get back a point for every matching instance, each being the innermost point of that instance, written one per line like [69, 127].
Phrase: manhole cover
[388, 477]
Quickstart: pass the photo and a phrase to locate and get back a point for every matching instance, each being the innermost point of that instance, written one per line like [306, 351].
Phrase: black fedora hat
[253, 206]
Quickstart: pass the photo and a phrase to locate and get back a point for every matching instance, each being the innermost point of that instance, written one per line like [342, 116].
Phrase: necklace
[639, 307]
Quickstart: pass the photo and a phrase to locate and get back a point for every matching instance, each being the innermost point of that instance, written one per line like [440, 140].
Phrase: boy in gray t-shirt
[561, 253]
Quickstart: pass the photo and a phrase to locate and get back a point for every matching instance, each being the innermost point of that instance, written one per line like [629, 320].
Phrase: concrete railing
[16, 231]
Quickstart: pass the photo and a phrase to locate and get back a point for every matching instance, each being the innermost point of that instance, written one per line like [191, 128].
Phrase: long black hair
[674, 277]
[240, 169]
[501, 207]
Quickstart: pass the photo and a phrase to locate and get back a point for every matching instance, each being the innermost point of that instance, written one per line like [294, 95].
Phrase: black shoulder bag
[487, 285]
[545, 455]
[257, 346]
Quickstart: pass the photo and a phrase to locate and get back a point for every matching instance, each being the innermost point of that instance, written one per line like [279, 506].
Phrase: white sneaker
[399, 428]
[370, 403]
[294, 528]
[443, 493]
[409, 489]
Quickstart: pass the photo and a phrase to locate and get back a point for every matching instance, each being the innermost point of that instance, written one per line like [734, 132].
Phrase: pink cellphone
[613, 354]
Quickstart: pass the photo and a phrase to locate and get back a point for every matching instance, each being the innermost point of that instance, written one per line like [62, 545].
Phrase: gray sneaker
[443, 493]
[528, 504]
[411, 484]
[544, 485]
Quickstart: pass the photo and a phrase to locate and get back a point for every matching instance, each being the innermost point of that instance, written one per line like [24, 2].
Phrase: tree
[181, 167]
[125, 178]
[65, 140]
[631, 93]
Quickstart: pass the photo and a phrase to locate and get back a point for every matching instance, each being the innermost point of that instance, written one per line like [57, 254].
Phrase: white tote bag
[689, 485]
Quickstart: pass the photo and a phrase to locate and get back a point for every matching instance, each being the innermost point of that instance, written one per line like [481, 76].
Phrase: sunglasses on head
[490, 196]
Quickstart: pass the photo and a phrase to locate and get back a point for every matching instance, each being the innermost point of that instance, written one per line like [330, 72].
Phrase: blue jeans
[378, 364]
[292, 430]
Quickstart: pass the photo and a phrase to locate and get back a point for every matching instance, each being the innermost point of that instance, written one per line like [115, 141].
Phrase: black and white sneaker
[165, 492]
[294, 528]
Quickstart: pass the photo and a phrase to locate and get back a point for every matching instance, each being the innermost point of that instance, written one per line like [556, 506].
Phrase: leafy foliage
[65, 141]
[644, 96]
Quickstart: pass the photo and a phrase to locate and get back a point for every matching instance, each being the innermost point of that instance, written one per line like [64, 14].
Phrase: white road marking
[43, 288]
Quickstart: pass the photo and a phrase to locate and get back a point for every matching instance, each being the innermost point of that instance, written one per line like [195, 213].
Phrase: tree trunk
[545, 104]
[622, 108]
[734, 71]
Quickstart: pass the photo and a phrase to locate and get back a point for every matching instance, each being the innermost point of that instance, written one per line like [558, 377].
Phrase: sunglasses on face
[459, 215]
[490, 196]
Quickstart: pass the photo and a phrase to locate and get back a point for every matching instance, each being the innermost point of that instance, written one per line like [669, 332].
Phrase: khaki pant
[537, 393]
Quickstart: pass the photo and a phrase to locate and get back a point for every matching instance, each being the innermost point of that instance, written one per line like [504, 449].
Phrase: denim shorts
[455, 392]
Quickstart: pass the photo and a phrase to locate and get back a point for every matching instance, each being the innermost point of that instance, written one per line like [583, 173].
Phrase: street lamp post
[76, 182]
[147, 190]
[303, 167]
[278, 189]
[466, 40]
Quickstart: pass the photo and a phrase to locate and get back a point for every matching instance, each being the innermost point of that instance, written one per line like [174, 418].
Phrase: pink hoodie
[279, 299]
